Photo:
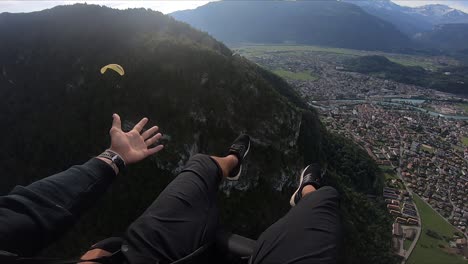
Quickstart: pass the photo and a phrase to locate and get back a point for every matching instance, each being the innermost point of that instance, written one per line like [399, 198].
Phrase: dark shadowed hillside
[57, 107]
[450, 79]
[446, 37]
[327, 23]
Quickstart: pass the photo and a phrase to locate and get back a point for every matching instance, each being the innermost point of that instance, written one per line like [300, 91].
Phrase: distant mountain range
[412, 20]
[446, 36]
[327, 23]
[430, 26]
[441, 14]
[366, 25]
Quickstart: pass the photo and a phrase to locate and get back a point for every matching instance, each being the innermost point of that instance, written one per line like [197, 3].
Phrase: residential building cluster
[419, 134]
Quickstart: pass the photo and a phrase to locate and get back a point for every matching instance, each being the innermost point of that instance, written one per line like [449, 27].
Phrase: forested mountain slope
[327, 23]
[450, 79]
[57, 109]
[447, 37]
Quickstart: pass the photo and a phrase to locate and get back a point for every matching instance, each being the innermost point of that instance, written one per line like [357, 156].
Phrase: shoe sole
[291, 201]
[235, 178]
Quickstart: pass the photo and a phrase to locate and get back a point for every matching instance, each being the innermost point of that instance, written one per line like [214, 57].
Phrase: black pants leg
[309, 233]
[182, 219]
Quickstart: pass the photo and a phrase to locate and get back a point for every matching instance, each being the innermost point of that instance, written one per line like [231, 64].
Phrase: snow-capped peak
[434, 10]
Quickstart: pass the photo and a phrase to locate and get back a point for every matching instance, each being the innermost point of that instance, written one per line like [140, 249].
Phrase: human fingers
[153, 139]
[148, 133]
[154, 150]
[138, 127]
[116, 123]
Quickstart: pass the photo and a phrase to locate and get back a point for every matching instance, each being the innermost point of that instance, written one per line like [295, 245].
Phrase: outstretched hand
[134, 146]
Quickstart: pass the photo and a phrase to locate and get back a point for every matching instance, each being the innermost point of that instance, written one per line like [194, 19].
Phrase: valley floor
[431, 249]
[418, 134]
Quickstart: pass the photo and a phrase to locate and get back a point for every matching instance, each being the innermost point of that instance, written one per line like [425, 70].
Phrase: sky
[171, 6]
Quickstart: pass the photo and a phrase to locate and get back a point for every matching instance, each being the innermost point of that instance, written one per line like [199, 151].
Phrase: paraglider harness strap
[194, 254]
[115, 258]
[10, 258]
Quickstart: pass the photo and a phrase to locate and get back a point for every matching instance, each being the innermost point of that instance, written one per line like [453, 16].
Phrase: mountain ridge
[412, 20]
[301, 22]
[452, 37]
[442, 14]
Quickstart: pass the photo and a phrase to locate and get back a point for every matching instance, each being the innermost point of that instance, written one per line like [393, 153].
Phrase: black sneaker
[240, 148]
[311, 175]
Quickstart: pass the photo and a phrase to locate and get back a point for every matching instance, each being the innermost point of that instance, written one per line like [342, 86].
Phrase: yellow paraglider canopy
[117, 68]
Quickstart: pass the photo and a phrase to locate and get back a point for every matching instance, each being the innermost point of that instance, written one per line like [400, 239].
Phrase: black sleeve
[33, 216]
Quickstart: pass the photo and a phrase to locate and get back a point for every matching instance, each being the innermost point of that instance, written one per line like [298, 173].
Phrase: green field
[426, 62]
[458, 148]
[463, 106]
[427, 250]
[390, 176]
[388, 172]
[300, 76]
[260, 49]
[386, 168]
[407, 243]
[407, 60]
[427, 148]
[465, 141]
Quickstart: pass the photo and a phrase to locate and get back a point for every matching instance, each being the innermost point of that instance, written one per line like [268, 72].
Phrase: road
[418, 229]
[416, 238]
[453, 205]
